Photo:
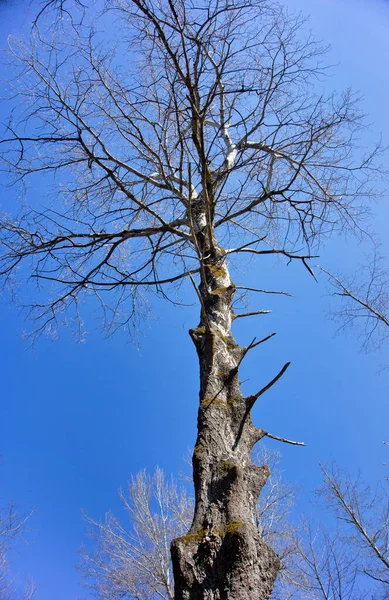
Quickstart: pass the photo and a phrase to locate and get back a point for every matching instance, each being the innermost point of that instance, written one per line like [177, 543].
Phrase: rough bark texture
[223, 555]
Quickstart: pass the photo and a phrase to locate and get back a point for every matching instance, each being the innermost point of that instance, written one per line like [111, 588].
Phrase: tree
[366, 514]
[11, 526]
[350, 560]
[132, 559]
[199, 128]
[365, 302]
[321, 567]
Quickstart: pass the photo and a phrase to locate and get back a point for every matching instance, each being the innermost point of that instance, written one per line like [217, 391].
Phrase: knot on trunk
[198, 335]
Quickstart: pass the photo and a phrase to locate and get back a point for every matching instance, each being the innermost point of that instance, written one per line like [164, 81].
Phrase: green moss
[219, 291]
[213, 402]
[199, 330]
[221, 374]
[206, 401]
[233, 526]
[233, 400]
[217, 270]
[229, 528]
[197, 448]
[227, 339]
[197, 537]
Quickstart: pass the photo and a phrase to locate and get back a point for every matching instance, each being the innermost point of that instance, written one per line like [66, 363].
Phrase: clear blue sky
[77, 419]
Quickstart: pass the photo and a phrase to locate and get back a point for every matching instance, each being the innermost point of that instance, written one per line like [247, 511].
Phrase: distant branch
[364, 302]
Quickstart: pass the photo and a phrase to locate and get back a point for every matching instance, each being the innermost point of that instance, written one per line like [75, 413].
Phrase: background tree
[321, 567]
[346, 561]
[132, 559]
[11, 527]
[365, 302]
[211, 134]
[365, 512]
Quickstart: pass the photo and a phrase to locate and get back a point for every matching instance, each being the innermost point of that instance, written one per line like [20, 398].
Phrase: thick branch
[250, 400]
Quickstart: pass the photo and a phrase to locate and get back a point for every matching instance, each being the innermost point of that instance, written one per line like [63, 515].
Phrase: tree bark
[223, 555]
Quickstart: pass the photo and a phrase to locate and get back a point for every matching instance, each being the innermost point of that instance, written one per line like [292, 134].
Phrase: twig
[250, 289]
[254, 345]
[281, 439]
[274, 251]
[252, 314]
[250, 400]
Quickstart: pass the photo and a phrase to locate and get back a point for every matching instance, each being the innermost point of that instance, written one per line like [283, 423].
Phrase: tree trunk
[223, 555]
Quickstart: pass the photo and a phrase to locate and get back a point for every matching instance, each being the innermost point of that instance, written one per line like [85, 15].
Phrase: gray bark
[223, 555]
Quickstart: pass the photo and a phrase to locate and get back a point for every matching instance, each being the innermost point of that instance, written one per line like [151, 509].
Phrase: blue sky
[77, 419]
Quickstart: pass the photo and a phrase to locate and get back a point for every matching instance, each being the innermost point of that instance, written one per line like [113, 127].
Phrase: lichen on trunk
[223, 555]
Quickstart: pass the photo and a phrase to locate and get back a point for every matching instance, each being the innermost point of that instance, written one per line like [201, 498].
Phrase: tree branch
[250, 400]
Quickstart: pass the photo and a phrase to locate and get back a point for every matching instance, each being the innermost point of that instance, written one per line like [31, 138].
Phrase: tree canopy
[185, 105]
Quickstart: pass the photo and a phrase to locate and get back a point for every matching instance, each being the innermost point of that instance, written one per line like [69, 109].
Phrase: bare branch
[160, 153]
[365, 301]
[281, 439]
[252, 314]
[250, 289]
[250, 400]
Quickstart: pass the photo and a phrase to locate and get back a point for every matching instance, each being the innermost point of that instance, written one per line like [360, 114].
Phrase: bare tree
[366, 515]
[11, 526]
[274, 506]
[198, 127]
[318, 562]
[349, 561]
[365, 305]
[132, 560]
[321, 567]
